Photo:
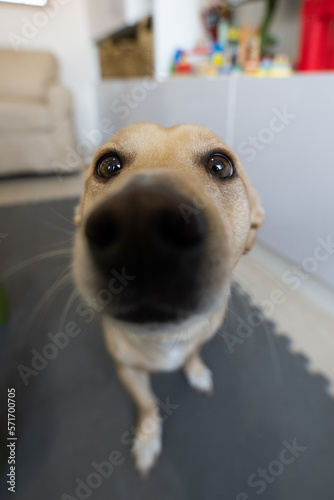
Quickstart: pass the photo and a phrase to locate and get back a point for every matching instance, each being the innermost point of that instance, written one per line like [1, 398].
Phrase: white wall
[136, 10]
[108, 16]
[177, 25]
[64, 30]
[105, 17]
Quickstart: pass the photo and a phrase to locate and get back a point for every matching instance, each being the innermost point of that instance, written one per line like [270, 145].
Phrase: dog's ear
[256, 215]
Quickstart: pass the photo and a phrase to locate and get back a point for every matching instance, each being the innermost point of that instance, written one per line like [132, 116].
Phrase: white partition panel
[290, 124]
[181, 100]
[283, 131]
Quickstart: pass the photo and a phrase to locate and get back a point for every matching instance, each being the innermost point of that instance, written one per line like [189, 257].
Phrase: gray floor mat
[74, 412]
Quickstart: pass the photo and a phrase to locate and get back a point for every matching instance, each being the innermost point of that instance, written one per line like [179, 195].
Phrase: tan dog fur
[234, 211]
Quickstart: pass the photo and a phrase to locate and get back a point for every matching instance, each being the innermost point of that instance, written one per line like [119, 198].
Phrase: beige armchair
[36, 128]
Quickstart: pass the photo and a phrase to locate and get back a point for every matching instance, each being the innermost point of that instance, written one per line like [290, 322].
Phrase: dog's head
[164, 218]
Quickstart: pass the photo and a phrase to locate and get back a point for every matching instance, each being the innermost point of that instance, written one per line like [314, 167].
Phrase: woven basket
[128, 57]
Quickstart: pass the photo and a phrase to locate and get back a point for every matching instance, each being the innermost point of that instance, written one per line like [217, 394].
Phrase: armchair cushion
[25, 116]
[30, 116]
[25, 75]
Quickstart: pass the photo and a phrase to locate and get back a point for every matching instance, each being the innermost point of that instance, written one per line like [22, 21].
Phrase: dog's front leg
[148, 438]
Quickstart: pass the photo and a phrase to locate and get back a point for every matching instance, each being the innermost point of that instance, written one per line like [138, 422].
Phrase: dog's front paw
[202, 381]
[146, 448]
[198, 375]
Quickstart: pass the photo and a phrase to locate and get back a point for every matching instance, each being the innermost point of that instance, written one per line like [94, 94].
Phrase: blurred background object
[234, 47]
[317, 36]
[35, 114]
[129, 52]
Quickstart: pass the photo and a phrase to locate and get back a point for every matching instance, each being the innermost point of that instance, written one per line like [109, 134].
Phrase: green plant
[3, 306]
[267, 41]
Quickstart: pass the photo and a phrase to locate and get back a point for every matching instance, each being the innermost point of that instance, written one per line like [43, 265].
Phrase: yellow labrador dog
[169, 212]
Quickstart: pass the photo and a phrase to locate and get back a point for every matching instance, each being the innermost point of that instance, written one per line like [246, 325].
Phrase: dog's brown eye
[220, 166]
[108, 166]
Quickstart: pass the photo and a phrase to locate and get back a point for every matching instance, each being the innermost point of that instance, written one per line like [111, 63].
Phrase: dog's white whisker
[59, 283]
[59, 243]
[70, 266]
[71, 300]
[59, 228]
[33, 260]
[62, 217]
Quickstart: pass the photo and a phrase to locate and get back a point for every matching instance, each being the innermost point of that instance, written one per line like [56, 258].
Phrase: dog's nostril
[101, 229]
[173, 230]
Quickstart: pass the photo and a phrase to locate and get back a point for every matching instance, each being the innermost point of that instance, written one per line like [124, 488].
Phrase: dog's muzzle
[143, 230]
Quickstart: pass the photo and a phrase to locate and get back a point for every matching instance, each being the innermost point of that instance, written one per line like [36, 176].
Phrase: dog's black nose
[158, 218]
[145, 227]
[157, 235]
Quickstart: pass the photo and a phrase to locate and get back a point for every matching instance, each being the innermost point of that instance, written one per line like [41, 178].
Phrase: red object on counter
[317, 36]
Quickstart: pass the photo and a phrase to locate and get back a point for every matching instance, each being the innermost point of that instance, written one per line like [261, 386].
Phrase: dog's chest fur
[155, 351]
